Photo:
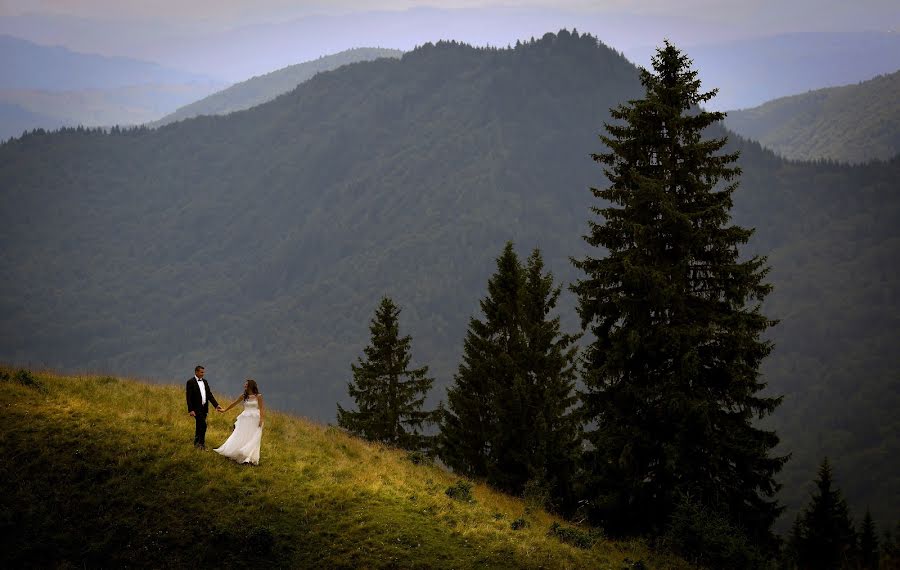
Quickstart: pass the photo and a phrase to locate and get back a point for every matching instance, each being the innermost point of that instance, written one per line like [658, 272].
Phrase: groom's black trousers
[200, 431]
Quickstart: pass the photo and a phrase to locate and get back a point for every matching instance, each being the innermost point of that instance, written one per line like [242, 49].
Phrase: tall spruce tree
[868, 544]
[672, 383]
[829, 541]
[388, 394]
[509, 416]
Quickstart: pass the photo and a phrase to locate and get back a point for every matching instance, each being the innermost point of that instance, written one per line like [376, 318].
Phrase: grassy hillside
[853, 123]
[101, 471]
[258, 90]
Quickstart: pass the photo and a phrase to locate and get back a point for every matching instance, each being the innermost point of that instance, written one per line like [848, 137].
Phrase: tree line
[661, 440]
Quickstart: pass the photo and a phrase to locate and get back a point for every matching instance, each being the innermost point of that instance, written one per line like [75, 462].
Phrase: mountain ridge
[851, 123]
[262, 88]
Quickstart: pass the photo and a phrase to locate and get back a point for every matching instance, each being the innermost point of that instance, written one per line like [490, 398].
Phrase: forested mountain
[257, 90]
[853, 123]
[259, 243]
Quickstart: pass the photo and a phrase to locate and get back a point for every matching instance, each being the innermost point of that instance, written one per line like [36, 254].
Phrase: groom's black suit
[201, 410]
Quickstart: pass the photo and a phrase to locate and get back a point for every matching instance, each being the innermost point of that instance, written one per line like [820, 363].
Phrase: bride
[243, 444]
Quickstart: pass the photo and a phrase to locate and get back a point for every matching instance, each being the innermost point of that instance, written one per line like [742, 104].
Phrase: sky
[231, 40]
[764, 16]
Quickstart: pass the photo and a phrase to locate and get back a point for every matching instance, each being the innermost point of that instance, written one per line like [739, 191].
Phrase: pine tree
[508, 417]
[829, 541]
[794, 543]
[672, 378]
[388, 394]
[551, 429]
[868, 544]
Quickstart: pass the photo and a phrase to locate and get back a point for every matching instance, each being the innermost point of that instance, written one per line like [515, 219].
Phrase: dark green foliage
[23, 377]
[509, 416]
[827, 539]
[890, 549]
[518, 524]
[572, 535]
[461, 491]
[708, 539]
[389, 394]
[672, 380]
[419, 458]
[262, 240]
[868, 544]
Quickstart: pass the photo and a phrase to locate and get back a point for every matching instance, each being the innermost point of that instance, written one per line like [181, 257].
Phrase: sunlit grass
[101, 471]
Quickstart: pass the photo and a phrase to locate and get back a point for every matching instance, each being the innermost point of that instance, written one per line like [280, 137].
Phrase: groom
[198, 398]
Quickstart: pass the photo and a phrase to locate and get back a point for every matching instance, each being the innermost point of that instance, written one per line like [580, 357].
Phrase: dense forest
[259, 242]
[853, 123]
[258, 90]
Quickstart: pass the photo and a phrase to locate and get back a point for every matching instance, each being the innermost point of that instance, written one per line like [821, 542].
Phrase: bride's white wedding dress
[243, 443]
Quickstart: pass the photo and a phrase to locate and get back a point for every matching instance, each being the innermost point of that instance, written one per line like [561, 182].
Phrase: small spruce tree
[389, 394]
[829, 541]
[509, 415]
[868, 544]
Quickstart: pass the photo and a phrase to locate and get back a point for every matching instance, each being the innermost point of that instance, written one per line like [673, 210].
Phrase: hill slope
[266, 87]
[259, 243]
[853, 123]
[101, 471]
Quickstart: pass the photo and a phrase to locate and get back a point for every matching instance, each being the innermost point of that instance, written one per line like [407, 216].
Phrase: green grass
[99, 471]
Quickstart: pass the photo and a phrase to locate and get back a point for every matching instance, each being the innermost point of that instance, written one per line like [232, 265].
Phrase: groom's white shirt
[202, 390]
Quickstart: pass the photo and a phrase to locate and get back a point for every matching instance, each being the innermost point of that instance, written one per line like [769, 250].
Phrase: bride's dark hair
[251, 388]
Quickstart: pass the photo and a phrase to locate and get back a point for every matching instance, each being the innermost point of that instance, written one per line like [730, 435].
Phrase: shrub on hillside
[23, 377]
[574, 536]
[709, 539]
[461, 491]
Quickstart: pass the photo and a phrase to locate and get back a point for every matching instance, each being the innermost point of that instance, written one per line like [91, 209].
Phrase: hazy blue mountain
[853, 123]
[260, 89]
[749, 72]
[131, 105]
[47, 87]
[259, 243]
[26, 65]
[15, 119]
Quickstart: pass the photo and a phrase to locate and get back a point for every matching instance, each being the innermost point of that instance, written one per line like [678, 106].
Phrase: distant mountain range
[853, 123]
[26, 65]
[257, 90]
[50, 87]
[749, 72]
[260, 242]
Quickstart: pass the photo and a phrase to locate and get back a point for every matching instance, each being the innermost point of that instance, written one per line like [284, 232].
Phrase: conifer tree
[672, 379]
[509, 415]
[829, 541]
[868, 544]
[388, 394]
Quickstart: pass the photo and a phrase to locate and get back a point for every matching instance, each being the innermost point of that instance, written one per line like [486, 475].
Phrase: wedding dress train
[243, 443]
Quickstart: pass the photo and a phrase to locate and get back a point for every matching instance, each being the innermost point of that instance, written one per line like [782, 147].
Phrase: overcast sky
[235, 39]
[765, 16]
